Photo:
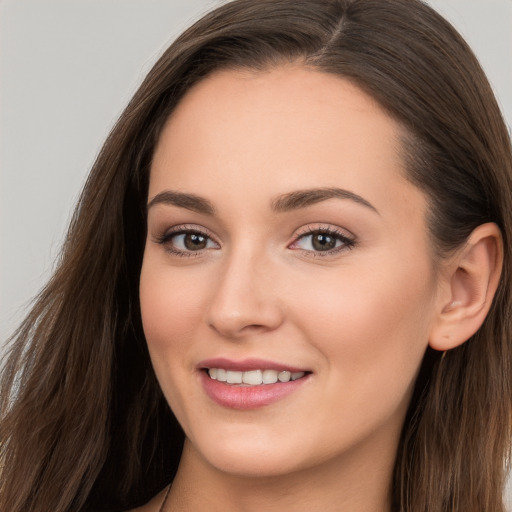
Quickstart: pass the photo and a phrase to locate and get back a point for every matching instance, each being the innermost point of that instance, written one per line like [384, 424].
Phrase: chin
[254, 466]
[250, 456]
[260, 454]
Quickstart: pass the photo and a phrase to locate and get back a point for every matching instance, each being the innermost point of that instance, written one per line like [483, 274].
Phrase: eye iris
[323, 242]
[194, 241]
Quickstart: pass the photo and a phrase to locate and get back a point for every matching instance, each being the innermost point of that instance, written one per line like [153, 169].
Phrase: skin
[359, 319]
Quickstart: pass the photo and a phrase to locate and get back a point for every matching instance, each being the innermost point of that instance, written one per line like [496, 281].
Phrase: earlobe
[471, 282]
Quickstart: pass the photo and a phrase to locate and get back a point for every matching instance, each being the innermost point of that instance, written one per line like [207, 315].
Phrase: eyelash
[166, 238]
[347, 242]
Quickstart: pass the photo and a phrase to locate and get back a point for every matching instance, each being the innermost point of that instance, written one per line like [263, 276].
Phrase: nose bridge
[245, 295]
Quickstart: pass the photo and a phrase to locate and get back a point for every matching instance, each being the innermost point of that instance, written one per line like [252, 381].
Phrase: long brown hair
[84, 425]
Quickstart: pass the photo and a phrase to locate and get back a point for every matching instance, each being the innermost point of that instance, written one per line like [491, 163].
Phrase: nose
[245, 300]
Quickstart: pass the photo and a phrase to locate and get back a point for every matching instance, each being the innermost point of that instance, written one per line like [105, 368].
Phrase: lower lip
[234, 396]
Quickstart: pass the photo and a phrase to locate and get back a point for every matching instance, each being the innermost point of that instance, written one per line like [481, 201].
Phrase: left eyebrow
[304, 198]
[182, 200]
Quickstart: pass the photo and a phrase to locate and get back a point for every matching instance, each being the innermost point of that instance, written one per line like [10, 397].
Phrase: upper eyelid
[189, 228]
[318, 228]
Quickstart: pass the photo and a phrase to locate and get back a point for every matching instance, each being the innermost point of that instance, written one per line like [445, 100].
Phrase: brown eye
[195, 241]
[185, 243]
[323, 242]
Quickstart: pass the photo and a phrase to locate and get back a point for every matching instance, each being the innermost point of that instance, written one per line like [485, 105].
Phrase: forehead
[270, 131]
[291, 103]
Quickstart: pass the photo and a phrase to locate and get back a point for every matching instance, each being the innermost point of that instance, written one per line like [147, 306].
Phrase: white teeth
[253, 377]
[233, 377]
[269, 376]
[284, 376]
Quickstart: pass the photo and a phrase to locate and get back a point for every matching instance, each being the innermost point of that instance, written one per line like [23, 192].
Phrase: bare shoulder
[153, 505]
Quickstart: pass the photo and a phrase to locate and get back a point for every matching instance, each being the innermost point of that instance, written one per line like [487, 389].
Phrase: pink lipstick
[250, 383]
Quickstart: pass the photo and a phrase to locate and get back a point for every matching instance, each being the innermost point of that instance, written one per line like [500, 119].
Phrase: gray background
[68, 67]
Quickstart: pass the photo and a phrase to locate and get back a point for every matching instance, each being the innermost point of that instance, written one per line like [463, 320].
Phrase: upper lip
[247, 365]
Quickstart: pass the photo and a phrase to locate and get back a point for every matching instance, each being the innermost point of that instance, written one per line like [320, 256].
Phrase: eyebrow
[187, 201]
[304, 198]
[283, 203]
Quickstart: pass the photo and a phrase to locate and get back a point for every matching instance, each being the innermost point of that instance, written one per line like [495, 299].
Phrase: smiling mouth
[253, 377]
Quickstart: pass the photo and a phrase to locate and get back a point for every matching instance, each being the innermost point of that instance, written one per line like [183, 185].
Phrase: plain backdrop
[67, 69]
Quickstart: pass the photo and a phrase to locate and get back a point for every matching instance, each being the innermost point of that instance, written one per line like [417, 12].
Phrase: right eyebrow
[304, 198]
[182, 200]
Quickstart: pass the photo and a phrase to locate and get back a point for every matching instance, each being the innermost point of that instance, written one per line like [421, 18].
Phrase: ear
[467, 288]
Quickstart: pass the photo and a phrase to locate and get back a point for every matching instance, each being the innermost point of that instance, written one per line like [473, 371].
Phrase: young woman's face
[285, 243]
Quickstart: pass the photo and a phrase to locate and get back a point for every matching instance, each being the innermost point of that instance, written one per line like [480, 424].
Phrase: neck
[355, 482]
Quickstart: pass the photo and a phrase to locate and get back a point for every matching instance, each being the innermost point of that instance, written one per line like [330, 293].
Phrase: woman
[296, 239]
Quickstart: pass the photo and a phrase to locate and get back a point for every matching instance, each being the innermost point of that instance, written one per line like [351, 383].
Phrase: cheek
[371, 328]
[171, 312]
[170, 308]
